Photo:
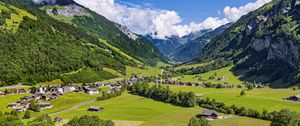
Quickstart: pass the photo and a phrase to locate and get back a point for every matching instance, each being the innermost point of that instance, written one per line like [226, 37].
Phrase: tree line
[12, 119]
[164, 94]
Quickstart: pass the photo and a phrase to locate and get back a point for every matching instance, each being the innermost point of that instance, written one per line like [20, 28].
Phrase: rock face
[127, 32]
[264, 42]
[68, 11]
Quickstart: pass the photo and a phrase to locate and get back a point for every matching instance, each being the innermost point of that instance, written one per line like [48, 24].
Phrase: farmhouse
[95, 109]
[12, 105]
[20, 108]
[69, 89]
[294, 98]
[22, 90]
[44, 105]
[91, 91]
[57, 119]
[2, 93]
[211, 114]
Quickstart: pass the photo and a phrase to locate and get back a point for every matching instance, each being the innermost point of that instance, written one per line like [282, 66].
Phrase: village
[43, 95]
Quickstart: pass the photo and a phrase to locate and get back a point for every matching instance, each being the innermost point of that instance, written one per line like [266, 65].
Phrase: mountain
[194, 46]
[48, 2]
[165, 46]
[170, 44]
[263, 44]
[36, 48]
[98, 26]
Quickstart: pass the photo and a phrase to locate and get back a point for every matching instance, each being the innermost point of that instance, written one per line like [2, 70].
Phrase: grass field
[131, 110]
[16, 18]
[223, 72]
[258, 99]
[4, 100]
[147, 71]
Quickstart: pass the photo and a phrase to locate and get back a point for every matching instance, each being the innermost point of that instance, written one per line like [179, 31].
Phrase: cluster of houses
[207, 85]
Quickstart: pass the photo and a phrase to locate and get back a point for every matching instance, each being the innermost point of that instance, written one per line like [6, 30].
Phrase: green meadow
[205, 77]
[131, 110]
[258, 99]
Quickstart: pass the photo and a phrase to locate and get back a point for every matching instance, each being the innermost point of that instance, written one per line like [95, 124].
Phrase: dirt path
[73, 107]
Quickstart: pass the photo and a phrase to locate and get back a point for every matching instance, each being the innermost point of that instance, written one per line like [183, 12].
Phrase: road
[73, 107]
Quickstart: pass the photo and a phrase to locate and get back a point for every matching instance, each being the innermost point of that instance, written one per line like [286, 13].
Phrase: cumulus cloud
[234, 13]
[161, 23]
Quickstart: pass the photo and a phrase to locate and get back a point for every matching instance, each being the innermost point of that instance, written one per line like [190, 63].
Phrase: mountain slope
[98, 26]
[264, 44]
[35, 47]
[194, 46]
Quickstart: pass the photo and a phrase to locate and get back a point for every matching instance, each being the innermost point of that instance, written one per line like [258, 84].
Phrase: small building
[22, 90]
[12, 105]
[2, 93]
[95, 109]
[43, 106]
[92, 91]
[41, 90]
[211, 114]
[20, 108]
[57, 119]
[69, 89]
[198, 95]
[294, 98]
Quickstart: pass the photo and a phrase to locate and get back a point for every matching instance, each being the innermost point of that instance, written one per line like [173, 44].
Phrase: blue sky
[191, 10]
[165, 18]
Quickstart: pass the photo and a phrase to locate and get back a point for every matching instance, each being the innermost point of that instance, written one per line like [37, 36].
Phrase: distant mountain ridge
[194, 46]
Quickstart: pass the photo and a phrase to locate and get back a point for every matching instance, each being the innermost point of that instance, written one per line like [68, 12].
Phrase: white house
[92, 91]
[41, 90]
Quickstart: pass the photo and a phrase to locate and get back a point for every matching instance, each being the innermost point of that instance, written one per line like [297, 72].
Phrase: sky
[166, 18]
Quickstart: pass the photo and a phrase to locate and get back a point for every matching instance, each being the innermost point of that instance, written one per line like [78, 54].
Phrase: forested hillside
[99, 27]
[263, 44]
[34, 47]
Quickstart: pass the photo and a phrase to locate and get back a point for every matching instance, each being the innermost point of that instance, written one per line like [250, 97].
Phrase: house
[294, 98]
[211, 114]
[12, 105]
[41, 90]
[22, 90]
[69, 89]
[43, 106]
[221, 78]
[92, 91]
[57, 119]
[20, 108]
[95, 109]
[2, 93]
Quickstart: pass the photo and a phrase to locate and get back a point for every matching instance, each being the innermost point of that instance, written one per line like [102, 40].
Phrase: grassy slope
[13, 23]
[258, 99]
[147, 71]
[229, 77]
[4, 100]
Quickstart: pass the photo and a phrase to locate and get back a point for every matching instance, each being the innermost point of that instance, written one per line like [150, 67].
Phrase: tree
[243, 93]
[194, 122]
[89, 121]
[33, 106]
[27, 115]
[43, 120]
[286, 118]
[33, 90]
[198, 122]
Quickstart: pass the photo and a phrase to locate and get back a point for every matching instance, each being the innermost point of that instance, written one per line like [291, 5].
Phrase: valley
[62, 63]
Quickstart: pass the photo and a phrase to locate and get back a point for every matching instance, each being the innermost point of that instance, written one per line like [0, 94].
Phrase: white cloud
[161, 23]
[234, 13]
